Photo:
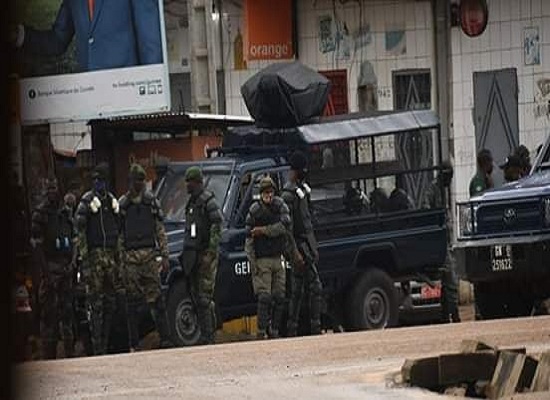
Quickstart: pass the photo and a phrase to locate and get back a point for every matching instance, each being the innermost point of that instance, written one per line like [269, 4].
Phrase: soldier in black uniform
[203, 221]
[296, 194]
[267, 225]
[52, 237]
[97, 220]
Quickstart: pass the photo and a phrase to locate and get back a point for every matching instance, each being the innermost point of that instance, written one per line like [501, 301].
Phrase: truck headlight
[546, 211]
[465, 220]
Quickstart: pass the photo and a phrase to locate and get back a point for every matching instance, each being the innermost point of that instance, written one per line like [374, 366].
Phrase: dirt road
[332, 366]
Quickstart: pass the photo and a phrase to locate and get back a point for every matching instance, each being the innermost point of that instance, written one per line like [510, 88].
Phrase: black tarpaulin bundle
[285, 94]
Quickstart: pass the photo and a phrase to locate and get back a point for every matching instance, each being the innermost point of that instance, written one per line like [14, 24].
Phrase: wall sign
[268, 30]
[474, 15]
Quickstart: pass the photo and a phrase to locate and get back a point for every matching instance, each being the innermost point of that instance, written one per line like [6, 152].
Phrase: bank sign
[81, 60]
[268, 30]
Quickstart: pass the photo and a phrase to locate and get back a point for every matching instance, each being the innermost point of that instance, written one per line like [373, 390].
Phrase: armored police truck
[368, 174]
[504, 244]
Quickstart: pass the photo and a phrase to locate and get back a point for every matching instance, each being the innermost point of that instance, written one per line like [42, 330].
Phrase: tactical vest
[197, 227]
[59, 233]
[265, 246]
[301, 220]
[139, 226]
[102, 227]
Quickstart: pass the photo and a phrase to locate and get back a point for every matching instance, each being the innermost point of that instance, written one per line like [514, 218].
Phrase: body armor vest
[266, 246]
[197, 227]
[139, 226]
[59, 232]
[102, 229]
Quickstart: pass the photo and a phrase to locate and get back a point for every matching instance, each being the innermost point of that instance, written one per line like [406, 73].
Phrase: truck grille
[502, 218]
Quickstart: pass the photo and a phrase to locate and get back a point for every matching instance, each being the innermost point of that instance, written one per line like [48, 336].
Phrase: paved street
[332, 366]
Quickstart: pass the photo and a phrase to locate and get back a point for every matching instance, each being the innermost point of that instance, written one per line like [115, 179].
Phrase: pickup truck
[503, 243]
[370, 245]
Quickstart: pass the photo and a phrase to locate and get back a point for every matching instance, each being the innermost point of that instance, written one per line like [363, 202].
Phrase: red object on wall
[474, 15]
[338, 96]
[268, 30]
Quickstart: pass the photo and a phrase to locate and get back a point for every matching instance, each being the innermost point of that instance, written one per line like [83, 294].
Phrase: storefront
[154, 140]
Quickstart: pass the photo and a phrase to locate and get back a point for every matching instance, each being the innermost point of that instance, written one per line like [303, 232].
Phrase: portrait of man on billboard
[107, 34]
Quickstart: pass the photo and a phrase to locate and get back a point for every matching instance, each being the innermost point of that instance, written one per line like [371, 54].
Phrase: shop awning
[170, 122]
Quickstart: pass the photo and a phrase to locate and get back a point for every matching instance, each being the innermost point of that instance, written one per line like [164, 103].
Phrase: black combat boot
[158, 313]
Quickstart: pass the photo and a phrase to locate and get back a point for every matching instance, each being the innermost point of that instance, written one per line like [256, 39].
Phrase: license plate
[501, 258]
[427, 292]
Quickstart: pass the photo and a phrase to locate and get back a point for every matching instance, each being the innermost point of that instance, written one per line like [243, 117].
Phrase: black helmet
[101, 171]
[298, 161]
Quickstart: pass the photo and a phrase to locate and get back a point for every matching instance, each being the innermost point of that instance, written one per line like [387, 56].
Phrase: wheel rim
[186, 321]
[376, 310]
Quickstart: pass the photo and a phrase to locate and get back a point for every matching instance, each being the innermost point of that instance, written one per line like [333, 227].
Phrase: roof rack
[271, 150]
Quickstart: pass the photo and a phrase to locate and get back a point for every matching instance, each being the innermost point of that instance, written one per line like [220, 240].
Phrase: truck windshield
[173, 194]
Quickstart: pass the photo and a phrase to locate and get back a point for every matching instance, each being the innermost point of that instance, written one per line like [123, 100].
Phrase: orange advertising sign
[268, 29]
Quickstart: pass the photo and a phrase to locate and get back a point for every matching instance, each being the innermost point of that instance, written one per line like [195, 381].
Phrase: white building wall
[500, 46]
[376, 17]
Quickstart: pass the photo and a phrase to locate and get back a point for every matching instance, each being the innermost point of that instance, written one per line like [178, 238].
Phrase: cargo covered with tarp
[285, 94]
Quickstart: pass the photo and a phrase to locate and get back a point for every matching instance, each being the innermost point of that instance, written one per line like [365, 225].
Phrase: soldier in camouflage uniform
[303, 249]
[436, 198]
[203, 222]
[52, 236]
[267, 225]
[97, 219]
[144, 255]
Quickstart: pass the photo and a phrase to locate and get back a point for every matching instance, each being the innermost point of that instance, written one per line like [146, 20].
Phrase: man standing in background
[483, 179]
[52, 237]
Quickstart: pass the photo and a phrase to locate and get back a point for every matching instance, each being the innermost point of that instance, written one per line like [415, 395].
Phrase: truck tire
[373, 302]
[182, 317]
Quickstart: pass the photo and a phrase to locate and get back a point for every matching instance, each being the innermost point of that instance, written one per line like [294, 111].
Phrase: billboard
[85, 59]
[268, 30]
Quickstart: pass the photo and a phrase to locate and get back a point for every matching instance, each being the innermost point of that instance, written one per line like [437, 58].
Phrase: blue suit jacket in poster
[121, 33]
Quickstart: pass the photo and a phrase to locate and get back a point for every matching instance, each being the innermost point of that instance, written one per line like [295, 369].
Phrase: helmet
[137, 171]
[267, 183]
[298, 161]
[101, 171]
[193, 174]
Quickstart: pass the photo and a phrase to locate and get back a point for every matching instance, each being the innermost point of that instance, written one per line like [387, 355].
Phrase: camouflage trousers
[203, 284]
[101, 275]
[449, 290]
[56, 308]
[268, 281]
[142, 284]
